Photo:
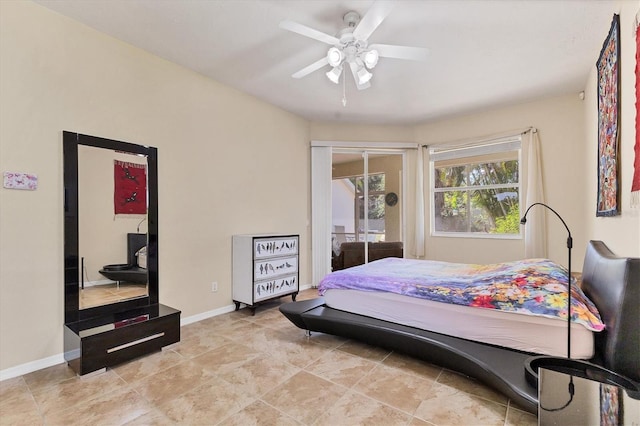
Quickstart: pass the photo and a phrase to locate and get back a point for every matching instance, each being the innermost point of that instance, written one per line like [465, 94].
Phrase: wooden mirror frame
[72, 311]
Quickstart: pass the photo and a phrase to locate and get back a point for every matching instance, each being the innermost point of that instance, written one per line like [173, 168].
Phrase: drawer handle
[135, 342]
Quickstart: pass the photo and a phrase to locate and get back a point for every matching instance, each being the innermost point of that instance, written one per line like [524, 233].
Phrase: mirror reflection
[112, 226]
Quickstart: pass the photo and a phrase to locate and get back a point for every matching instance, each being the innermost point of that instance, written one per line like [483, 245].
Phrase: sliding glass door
[358, 194]
[366, 201]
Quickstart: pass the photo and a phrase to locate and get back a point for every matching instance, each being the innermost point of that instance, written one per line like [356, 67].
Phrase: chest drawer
[270, 268]
[274, 247]
[276, 287]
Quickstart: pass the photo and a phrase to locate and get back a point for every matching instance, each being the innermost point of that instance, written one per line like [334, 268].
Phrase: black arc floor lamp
[570, 389]
[569, 247]
[570, 366]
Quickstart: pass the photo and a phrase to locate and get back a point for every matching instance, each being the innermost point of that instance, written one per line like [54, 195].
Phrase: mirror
[112, 246]
[110, 226]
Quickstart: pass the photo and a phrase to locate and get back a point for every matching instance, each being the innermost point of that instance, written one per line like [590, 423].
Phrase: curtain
[320, 212]
[419, 194]
[535, 241]
[635, 183]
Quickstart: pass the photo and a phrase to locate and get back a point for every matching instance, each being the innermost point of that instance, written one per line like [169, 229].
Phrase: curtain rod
[361, 144]
[476, 141]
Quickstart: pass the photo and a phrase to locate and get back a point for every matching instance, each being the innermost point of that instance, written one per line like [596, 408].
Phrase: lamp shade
[364, 76]
[370, 58]
[334, 74]
[335, 56]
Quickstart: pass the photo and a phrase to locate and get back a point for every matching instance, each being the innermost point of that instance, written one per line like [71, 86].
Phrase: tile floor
[238, 369]
[110, 293]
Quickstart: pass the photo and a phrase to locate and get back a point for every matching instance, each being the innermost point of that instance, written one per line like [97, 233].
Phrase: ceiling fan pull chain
[344, 92]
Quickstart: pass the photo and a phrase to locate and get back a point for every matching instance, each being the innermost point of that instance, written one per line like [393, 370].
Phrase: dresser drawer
[271, 268]
[274, 247]
[94, 344]
[273, 288]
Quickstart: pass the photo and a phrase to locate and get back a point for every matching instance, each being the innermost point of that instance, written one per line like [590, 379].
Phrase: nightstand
[567, 399]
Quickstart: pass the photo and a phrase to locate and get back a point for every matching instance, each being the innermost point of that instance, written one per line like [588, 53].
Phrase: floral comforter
[530, 286]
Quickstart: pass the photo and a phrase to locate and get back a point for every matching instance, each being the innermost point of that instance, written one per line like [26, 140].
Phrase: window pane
[376, 218]
[495, 211]
[450, 177]
[497, 173]
[509, 222]
[476, 188]
[451, 211]
[376, 182]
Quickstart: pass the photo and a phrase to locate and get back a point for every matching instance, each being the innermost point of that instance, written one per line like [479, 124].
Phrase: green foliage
[509, 224]
[376, 202]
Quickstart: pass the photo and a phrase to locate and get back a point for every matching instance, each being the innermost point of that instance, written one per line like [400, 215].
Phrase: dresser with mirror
[112, 310]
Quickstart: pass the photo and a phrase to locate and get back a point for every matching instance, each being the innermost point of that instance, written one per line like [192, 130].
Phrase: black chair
[129, 272]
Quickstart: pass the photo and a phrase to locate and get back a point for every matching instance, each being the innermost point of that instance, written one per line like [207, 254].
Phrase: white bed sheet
[527, 333]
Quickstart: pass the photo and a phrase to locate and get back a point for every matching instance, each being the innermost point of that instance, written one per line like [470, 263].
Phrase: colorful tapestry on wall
[130, 188]
[609, 123]
[635, 184]
[611, 410]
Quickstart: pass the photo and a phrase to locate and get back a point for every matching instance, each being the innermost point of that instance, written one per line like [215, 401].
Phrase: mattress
[535, 334]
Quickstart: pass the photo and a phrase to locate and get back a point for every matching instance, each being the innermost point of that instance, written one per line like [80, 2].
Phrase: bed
[606, 333]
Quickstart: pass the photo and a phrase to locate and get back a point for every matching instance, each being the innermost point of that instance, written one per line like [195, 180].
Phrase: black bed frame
[612, 283]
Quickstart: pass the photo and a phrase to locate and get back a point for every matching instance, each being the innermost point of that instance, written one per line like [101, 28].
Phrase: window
[476, 190]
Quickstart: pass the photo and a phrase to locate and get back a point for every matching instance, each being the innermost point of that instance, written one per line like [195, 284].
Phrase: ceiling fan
[350, 47]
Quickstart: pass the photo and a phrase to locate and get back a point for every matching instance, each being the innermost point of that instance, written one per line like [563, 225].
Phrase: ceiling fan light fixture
[335, 56]
[363, 76]
[334, 74]
[370, 58]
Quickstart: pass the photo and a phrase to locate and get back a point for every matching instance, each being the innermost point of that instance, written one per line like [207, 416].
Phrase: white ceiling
[483, 54]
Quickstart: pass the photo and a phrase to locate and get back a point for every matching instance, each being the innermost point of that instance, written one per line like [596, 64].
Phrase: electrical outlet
[214, 286]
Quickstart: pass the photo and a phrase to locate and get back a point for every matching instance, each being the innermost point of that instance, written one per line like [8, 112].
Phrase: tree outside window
[477, 197]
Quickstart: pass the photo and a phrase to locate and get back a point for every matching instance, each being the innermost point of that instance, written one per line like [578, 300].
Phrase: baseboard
[220, 311]
[30, 367]
[205, 315]
[99, 282]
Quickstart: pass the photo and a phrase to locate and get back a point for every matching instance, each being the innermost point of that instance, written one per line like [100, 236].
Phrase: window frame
[496, 148]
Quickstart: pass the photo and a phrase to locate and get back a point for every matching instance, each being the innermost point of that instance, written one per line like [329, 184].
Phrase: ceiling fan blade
[308, 32]
[401, 52]
[354, 71]
[311, 68]
[374, 17]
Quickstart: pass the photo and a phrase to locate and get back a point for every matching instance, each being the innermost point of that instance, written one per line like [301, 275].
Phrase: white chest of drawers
[264, 267]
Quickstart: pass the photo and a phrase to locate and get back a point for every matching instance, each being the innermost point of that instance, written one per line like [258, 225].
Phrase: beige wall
[359, 133]
[228, 164]
[622, 232]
